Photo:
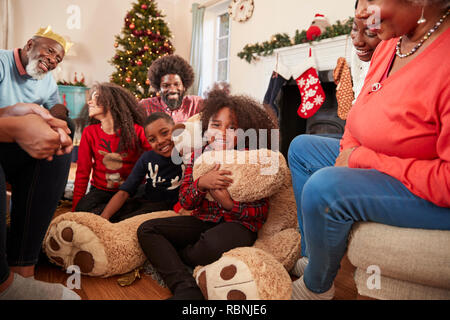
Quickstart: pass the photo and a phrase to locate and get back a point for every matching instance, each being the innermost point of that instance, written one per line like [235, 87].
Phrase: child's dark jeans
[171, 244]
[96, 200]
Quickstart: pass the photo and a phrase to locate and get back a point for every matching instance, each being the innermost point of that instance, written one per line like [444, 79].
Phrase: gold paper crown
[48, 33]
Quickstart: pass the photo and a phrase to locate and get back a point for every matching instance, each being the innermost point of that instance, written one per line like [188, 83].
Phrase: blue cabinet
[74, 98]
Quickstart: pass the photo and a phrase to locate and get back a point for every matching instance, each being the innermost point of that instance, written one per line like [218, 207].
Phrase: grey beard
[33, 71]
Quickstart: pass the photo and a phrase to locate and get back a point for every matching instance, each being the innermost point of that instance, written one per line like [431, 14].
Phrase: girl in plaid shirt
[214, 227]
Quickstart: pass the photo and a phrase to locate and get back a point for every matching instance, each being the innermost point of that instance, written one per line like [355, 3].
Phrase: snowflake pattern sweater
[97, 153]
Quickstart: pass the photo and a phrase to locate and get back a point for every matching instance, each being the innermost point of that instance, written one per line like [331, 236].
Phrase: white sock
[30, 289]
[299, 267]
[301, 292]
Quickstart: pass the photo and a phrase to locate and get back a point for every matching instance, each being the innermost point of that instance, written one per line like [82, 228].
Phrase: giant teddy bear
[100, 248]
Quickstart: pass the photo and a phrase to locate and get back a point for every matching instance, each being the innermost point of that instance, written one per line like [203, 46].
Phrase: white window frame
[210, 44]
[218, 38]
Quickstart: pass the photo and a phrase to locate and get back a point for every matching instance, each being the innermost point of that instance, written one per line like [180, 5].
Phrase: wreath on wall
[252, 51]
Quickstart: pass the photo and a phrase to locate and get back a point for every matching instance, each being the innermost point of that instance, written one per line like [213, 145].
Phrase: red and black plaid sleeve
[250, 214]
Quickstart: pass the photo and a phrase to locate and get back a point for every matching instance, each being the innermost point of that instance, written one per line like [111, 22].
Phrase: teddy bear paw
[69, 243]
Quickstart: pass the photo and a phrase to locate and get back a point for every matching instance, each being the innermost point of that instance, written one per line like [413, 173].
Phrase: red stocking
[311, 90]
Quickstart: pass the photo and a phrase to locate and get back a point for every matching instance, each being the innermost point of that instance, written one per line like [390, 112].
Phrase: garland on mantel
[281, 40]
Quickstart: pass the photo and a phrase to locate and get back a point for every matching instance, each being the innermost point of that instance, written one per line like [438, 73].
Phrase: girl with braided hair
[110, 146]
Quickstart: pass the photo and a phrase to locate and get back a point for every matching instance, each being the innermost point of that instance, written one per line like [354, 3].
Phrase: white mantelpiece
[325, 53]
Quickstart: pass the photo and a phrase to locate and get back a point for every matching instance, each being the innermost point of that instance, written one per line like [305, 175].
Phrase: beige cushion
[412, 255]
[393, 289]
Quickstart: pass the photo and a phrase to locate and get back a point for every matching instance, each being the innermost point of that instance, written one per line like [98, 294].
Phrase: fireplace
[324, 122]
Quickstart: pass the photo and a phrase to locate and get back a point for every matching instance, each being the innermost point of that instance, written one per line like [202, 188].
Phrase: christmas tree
[145, 37]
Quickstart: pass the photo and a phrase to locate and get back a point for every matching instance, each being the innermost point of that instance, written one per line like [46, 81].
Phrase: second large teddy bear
[104, 249]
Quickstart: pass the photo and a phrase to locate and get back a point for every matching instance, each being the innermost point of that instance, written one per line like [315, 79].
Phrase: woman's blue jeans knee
[306, 155]
[330, 199]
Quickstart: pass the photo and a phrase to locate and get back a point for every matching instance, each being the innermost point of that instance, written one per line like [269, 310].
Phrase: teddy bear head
[244, 273]
[187, 136]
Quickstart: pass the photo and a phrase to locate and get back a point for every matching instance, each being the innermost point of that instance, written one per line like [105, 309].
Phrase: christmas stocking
[311, 91]
[277, 81]
[344, 90]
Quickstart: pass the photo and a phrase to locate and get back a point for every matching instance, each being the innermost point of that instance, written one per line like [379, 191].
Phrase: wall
[271, 17]
[268, 19]
[101, 20]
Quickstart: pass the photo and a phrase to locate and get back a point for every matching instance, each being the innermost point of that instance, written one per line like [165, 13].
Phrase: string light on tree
[144, 38]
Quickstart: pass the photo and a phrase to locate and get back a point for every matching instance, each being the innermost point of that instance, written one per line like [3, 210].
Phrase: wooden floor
[146, 288]
[94, 288]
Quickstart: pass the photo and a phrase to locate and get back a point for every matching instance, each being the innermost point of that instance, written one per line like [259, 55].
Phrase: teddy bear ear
[202, 283]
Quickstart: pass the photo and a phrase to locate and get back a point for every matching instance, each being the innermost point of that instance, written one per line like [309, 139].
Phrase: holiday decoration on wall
[252, 51]
[76, 82]
[241, 10]
[318, 26]
[145, 37]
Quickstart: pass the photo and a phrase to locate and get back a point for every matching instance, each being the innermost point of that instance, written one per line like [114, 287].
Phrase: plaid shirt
[189, 107]
[252, 215]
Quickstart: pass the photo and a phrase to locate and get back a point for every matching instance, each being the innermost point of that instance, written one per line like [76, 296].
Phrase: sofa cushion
[394, 289]
[413, 255]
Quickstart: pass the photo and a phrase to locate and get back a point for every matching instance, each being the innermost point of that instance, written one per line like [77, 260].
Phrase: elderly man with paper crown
[35, 148]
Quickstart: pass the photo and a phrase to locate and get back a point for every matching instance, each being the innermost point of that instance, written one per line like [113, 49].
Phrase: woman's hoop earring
[422, 18]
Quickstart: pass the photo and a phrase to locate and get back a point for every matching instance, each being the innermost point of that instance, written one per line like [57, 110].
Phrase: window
[216, 46]
[222, 47]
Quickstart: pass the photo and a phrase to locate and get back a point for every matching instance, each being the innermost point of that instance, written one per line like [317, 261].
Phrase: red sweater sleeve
[348, 141]
[142, 139]
[427, 178]
[403, 128]
[84, 167]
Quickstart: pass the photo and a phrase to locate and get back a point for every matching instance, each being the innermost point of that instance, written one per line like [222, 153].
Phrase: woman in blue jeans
[392, 165]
